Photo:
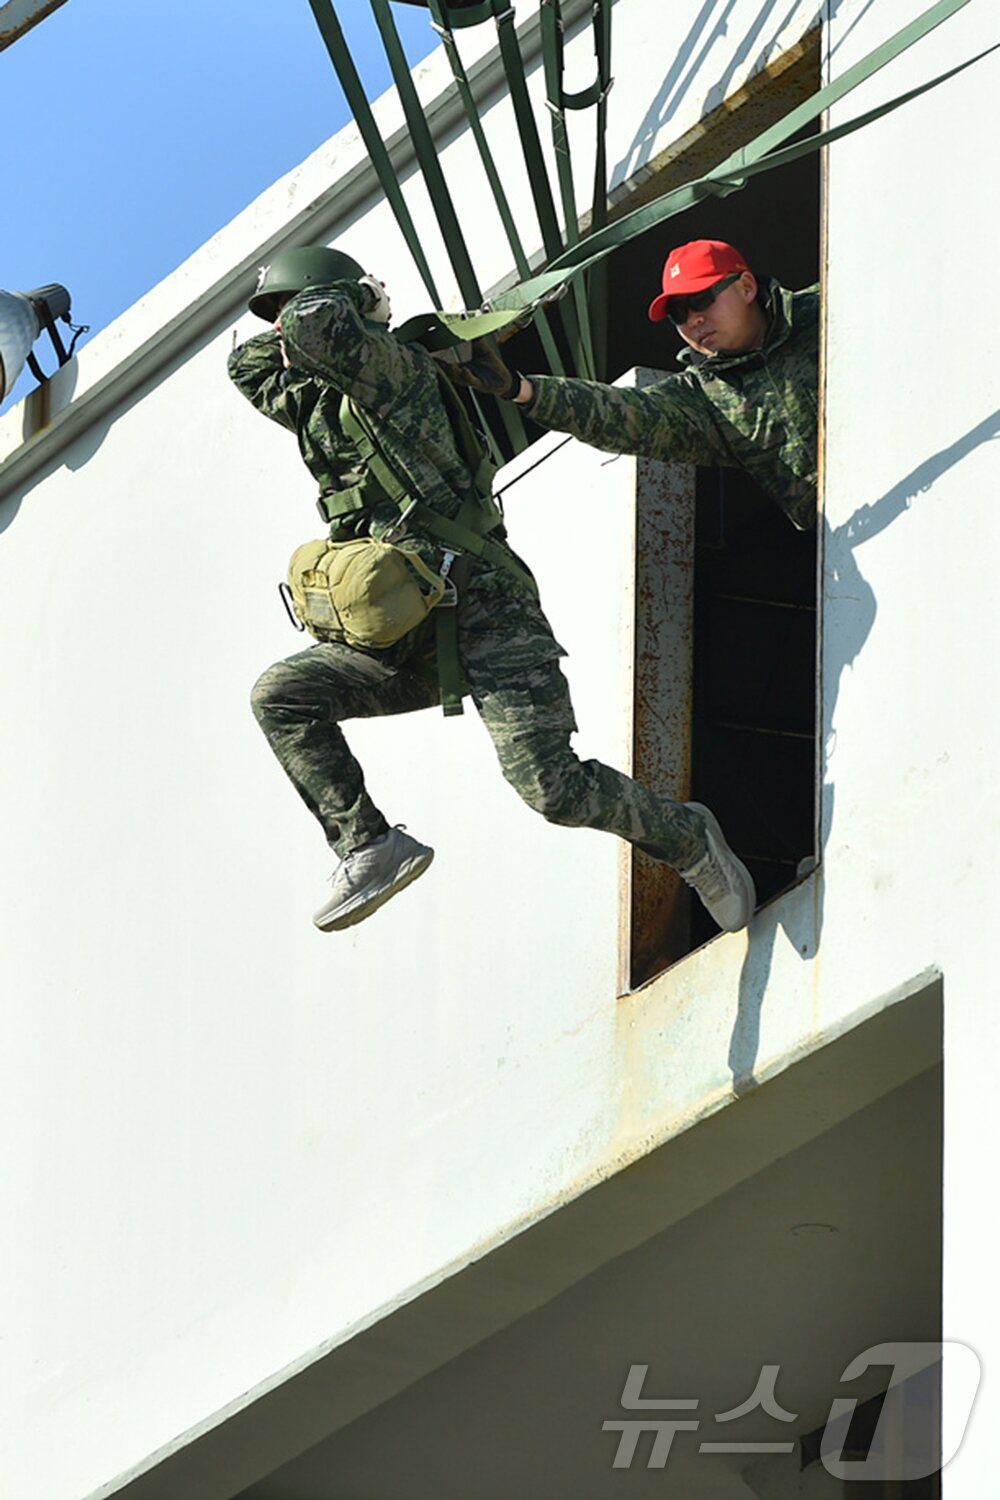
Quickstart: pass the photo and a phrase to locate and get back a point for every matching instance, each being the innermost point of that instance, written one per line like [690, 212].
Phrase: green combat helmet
[294, 270]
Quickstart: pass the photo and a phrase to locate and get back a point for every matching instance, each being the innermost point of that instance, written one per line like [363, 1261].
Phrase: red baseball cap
[693, 268]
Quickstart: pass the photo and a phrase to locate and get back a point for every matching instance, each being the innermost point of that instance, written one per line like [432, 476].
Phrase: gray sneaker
[366, 878]
[723, 882]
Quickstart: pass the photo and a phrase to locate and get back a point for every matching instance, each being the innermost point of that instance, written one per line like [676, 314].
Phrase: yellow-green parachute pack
[364, 592]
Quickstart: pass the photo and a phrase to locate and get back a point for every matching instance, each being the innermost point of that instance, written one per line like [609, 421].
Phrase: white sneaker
[723, 882]
[366, 878]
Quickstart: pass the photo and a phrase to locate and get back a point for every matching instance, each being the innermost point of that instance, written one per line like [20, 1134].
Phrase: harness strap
[763, 154]
[443, 29]
[451, 679]
[451, 682]
[463, 538]
[425, 150]
[465, 534]
[330, 30]
[426, 154]
[534, 161]
[552, 56]
[335, 503]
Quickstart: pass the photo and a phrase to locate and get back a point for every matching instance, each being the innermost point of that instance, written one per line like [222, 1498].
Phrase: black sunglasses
[679, 309]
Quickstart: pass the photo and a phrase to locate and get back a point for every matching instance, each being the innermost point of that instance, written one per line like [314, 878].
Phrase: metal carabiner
[285, 595]
[449, 599]
[399, 527]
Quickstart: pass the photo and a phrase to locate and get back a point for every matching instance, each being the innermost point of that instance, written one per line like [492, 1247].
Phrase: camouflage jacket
[757, 411]
[335, 352]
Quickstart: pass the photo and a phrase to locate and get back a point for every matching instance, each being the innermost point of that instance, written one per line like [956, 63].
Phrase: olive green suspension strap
[440, 197]
[763, 154]
[590, 304]
[333, 38]
[447, 35]
[550, 16]
[467, 532]
[602, 47]
[534, 161]
[597, 279]
[336, 46]
[427, 158]
[451, 679]
[466, 535]
[502, 11]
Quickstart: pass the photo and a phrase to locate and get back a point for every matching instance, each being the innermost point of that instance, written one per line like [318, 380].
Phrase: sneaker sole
[405, 875]
[712, 823]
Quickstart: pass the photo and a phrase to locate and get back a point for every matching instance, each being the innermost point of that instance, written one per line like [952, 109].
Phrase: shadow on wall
[800, 913]
[79, 453]
[82, 439]
[38, 410]
[709, 28]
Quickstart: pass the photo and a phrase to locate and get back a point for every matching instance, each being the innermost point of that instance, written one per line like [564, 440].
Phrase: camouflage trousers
[510, 661]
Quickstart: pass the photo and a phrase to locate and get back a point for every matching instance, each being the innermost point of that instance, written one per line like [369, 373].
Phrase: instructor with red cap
[746, 397]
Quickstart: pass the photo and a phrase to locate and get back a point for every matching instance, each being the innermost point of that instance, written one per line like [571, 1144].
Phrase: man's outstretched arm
[668, 420]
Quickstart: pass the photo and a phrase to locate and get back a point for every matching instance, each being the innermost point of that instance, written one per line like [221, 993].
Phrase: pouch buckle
[399, 527]
[449, 599]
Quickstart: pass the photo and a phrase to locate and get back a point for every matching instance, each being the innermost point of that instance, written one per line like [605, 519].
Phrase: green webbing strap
[513, 64]
[335, 503]
[450, 677]
[459, 538]
[427, 157]
[748, 161]
[553, 60]
[437, 188]
[441, 26]
[466, 535]
[467, 441]
[761, 155]
[333, 37]
[597, 279]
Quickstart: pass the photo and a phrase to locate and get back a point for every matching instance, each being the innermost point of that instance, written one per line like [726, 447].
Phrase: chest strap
[465, 534]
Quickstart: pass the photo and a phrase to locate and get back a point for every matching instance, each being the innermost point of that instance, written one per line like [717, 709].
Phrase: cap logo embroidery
[261, 273]
[675, 270]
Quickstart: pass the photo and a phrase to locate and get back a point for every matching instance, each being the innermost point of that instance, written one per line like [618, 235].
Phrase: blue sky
[136, 130]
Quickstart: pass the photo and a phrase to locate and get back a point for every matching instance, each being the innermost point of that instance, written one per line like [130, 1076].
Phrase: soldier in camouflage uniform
[330, 340]
[748, 395]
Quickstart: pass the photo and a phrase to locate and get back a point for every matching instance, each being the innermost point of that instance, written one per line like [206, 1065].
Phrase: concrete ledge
[898, 1038]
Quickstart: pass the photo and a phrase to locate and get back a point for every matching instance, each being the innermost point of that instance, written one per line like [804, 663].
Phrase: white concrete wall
[912, 796]
[231, 1139]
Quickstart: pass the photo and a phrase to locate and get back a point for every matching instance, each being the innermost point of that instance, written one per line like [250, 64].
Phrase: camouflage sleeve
[257, 370]
[669, 420]
[326, 335]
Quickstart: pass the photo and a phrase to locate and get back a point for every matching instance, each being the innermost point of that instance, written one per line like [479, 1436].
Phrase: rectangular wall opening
[726, 698]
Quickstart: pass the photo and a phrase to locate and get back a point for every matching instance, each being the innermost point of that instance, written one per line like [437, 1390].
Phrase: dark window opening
[725, 686]
[753, 751]
[743, 722]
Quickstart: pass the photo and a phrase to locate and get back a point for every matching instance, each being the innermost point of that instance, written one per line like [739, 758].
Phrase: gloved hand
[478, 365]
[381, 309]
